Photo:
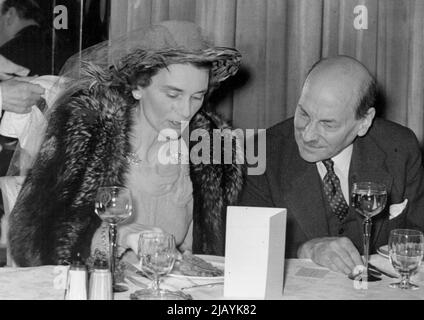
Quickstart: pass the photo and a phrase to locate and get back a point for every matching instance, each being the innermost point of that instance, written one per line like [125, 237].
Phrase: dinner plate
[384, 251]
[216, 261]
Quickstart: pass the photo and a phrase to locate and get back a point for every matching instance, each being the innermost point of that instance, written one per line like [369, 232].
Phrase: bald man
[314, 158]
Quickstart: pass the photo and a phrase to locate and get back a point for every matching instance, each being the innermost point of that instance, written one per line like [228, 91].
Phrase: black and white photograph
[211, 151]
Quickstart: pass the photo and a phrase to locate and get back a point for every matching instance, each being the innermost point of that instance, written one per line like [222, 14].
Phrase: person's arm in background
[19, 96]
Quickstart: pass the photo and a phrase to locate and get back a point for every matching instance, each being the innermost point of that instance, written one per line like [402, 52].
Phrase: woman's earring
[136, 95]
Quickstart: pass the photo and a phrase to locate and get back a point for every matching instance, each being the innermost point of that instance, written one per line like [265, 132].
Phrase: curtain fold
[217, 20]
[281, 39]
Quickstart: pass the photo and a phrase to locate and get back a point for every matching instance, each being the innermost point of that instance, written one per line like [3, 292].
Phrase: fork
[136, 282]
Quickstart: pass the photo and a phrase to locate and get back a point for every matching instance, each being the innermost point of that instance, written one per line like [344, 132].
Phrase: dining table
[303, 280]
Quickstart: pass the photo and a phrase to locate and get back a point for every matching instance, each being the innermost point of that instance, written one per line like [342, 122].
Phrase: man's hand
[337, 254]
[20, 96]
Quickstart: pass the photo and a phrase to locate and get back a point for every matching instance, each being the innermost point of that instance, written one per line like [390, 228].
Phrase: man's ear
[10, 16]
[366, 122]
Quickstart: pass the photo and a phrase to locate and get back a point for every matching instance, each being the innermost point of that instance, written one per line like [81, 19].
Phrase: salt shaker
[101, 283]
[76, 288]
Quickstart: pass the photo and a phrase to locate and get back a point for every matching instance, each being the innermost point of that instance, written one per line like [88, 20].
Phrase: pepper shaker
[101, 283]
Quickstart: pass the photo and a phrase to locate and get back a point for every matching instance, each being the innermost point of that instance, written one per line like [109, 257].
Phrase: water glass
[157, 254]
[406, 250]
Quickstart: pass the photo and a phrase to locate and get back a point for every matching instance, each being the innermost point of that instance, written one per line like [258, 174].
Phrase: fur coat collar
[85, 146]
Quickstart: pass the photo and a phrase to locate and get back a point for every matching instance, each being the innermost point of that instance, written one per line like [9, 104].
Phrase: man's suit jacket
[388, 153]
[30, 49]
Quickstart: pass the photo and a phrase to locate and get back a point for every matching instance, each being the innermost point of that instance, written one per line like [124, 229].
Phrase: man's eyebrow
[329, 120]
[321, 120]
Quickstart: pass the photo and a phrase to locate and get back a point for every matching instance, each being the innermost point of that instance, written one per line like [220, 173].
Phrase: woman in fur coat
[107, 129]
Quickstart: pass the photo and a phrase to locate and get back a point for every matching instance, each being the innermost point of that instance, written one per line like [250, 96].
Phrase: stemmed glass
[113, 204]
[368, 199]
[406, 249]
[157, 254]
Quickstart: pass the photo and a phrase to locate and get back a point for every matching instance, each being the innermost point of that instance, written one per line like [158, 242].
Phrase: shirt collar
[342, 160]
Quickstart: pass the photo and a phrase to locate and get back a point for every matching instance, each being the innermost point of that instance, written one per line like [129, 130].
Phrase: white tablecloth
[38, 283]
[303, 280]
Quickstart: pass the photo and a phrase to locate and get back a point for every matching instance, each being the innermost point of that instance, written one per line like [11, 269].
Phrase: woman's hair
[143, 78]
[138, 68]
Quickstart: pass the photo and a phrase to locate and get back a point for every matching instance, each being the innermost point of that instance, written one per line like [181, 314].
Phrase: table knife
[387, 274]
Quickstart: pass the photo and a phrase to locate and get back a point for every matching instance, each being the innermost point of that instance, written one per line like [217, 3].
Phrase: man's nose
[309, 132]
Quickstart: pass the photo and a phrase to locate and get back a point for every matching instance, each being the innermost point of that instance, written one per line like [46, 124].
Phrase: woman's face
[175, 94]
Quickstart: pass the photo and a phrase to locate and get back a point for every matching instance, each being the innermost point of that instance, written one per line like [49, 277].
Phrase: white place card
[254, 252]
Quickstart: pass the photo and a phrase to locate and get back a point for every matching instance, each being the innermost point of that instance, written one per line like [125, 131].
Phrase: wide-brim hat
[165, 43]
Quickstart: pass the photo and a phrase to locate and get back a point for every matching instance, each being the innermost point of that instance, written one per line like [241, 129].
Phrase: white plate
[216, 261]
[384, 251]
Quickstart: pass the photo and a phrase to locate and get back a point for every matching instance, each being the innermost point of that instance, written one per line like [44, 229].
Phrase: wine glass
[406, 249]
[113, 204]
[157, 254]
[368, 199]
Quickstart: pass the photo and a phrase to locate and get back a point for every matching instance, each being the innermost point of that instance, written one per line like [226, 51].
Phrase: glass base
[119, 288]
[150, 294]
[404, 285]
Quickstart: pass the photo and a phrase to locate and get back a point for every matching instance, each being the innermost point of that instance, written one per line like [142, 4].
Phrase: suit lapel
[301, 191]
[369, 164]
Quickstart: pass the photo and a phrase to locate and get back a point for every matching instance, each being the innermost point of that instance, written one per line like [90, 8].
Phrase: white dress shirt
[341, 168]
